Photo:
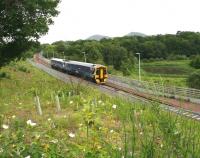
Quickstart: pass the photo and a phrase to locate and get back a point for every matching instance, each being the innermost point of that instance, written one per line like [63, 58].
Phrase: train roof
[76, 62]
[83, 63]
[57, 59]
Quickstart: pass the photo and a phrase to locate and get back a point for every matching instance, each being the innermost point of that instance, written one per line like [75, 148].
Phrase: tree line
[120, 52]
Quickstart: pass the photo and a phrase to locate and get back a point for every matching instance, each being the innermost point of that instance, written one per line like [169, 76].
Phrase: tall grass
[90, 124]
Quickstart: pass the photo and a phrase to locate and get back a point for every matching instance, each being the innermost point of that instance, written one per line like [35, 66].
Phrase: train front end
[101, 74]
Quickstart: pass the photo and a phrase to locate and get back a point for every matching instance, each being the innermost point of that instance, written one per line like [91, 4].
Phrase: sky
[79, 19]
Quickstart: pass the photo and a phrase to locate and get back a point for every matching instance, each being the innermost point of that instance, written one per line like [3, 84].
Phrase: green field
[169, 72]
[89, 125]
[165, 72]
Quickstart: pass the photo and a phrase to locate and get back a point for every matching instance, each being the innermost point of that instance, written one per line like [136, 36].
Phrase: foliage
[4, 75]
[22, 23]
[194, 80]
[90, 124]
[195, 62]
[121, 52]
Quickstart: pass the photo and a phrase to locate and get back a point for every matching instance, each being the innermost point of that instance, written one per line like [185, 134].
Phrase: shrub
[177, 57]
[23, 69]
[4, 75]
[195, 62]
[193, 80]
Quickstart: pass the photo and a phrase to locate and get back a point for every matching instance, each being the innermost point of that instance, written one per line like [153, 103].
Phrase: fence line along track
[187, 94]
[111, 87]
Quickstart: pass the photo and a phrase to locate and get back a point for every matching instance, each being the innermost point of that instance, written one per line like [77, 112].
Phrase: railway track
[117, 90]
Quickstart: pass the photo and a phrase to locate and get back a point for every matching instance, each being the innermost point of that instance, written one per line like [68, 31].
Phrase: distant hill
[136, 34]
[97, 37]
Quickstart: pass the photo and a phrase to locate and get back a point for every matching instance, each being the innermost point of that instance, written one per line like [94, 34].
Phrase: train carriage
[94, 72]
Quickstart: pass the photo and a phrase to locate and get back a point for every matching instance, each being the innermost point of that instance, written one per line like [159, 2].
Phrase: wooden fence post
[38, 106]
[58, 104]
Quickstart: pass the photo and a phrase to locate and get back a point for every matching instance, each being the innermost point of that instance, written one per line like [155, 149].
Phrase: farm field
[167, 72]
[90, 123]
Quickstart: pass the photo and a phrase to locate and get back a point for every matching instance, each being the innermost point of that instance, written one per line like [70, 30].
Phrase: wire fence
[189, 94]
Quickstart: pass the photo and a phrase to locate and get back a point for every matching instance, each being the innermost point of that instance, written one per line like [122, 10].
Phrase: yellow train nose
[101, 73]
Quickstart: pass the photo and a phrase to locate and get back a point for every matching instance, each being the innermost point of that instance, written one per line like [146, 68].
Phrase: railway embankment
[90, 123]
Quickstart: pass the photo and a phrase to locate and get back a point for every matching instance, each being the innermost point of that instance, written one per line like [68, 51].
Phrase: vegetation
[90, 124]
[194, 80]
[195, 62]
[120, 53]
[22, 23]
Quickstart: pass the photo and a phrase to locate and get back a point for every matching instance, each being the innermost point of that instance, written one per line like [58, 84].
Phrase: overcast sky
[79, 19]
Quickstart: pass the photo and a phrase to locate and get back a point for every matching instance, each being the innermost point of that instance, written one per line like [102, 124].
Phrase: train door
[101, 74]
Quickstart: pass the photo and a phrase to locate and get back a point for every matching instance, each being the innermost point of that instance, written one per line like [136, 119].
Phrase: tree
[93, 51]
[195, 62]
[194, 80]
[22, 22]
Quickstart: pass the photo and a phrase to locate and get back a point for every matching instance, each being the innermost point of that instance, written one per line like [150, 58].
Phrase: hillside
[136, 34]
[90, 123]
[97, 37]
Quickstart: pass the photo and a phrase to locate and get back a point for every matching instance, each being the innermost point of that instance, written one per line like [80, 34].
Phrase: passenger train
[94, 72]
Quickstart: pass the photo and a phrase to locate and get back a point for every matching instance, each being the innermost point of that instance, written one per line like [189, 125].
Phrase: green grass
[91, 124]
[166, 72]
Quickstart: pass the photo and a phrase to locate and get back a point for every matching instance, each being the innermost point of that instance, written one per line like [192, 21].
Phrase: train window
[104, 71]
[97, 72]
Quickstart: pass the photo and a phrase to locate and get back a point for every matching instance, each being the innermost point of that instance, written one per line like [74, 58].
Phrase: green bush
[177, 57]
[4, 75]
[23, 69]
[194, 80]
[195, 62]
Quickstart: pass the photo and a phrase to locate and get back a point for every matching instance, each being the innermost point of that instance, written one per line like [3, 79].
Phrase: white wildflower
[120, 148]
[37, 136]
[141, 133]
[43, 155]
[114, 106]
[72, 135]
[20, 103]
[98, 147]
[99, 101]
[54, 141]
[65, 116]
[28, 156]
[49, 119]
[161, 145]
[29, 122]
[80, 124]
[176, 132]
[71, 102]
[1, 150]
[5, 126]
[100, 128]
[111, 131]
[13, 116]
